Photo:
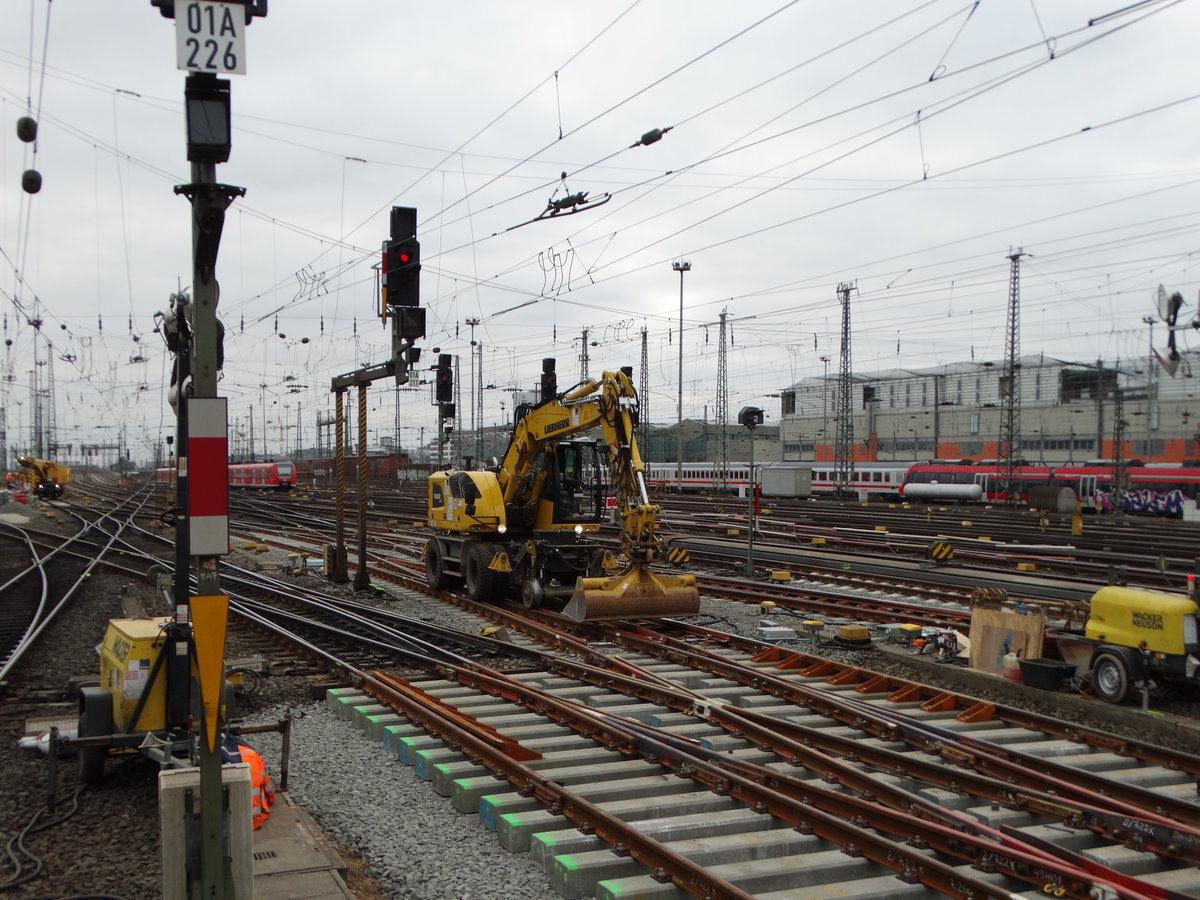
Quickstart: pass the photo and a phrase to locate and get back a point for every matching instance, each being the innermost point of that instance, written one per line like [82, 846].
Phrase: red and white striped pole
[208, 477]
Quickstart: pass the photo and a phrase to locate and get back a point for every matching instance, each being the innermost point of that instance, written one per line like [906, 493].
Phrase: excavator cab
[572, 487]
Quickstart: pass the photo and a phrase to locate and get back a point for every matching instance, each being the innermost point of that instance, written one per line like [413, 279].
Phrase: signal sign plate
[210, 36]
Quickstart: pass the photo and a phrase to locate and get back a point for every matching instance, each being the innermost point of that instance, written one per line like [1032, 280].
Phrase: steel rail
[893, 726]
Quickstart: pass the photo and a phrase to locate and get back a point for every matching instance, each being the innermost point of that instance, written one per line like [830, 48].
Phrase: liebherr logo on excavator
[557, 426]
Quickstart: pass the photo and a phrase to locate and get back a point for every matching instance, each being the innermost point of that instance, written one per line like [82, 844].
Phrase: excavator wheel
[484, 585]
[435, 568]
[532, 593]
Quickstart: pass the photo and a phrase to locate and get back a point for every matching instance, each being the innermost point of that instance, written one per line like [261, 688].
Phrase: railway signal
[401, 290]
[401, 272]
[402, 261]
[444, 383]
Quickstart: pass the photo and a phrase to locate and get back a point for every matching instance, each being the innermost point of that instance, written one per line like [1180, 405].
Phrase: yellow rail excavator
[529, 524]
[44, 478]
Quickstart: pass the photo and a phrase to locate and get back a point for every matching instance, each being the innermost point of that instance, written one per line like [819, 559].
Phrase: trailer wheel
[95, 719]
[1110, 678]
[483, 584]
[435, 567]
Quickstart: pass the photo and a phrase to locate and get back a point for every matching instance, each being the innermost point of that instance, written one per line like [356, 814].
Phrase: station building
[1068, 412]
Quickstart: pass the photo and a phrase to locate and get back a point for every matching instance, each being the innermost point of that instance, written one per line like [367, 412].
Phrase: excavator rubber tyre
[484, 585]
[95, 719]
[435, 567]
[1110, 677]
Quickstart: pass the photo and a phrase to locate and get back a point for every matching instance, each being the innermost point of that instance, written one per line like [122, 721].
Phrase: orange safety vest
[262, 793]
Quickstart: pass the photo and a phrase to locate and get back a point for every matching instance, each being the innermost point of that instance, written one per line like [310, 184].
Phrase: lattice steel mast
[456, 439]
[1120, 469]
[843, 450]
[5, 398]
[1010, 383]
[477, 368]
[644, 394]
[51, 411]
[723, 407]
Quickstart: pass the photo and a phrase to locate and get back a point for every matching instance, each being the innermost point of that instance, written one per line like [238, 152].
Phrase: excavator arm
[611, 404]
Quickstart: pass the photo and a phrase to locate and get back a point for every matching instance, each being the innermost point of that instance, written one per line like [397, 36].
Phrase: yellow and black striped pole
[362, 577]
[337, 573]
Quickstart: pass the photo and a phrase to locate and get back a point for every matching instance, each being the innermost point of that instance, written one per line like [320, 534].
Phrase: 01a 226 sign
[210, 37]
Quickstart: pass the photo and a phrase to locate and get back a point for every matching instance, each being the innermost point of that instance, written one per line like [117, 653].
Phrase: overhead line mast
[843, 450]
[723, 407]
[1010, 383]
[643, 426]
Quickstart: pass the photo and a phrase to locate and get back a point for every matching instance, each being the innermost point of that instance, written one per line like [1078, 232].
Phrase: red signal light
[405, 258]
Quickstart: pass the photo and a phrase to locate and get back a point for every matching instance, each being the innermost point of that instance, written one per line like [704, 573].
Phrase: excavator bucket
[637, 593]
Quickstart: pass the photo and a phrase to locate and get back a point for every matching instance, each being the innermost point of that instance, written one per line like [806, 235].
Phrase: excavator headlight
[579, 529]
[500, 529]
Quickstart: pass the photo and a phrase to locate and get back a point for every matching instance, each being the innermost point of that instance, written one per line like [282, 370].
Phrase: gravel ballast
[411, 841]
[416, 845]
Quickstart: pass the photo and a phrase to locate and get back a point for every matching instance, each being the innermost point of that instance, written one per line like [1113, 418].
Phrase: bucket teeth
[637, 593]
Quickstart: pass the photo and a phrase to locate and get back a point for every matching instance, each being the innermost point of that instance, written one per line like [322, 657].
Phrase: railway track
[732, 769]
[723, 767]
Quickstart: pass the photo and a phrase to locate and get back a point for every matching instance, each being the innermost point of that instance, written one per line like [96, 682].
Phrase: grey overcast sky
[907, 147]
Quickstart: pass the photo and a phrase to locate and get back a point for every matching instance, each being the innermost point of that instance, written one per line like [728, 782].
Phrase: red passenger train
[279, 476]
[1157, 489]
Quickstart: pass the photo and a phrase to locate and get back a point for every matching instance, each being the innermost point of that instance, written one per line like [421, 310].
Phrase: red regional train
[280, 476]
[1156, 489]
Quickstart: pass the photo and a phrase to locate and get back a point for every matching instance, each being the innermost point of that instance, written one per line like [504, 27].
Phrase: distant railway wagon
[280, 476]
[380, 469]
[1157, 489]
[698, 476]
[867, 479]
[780, 479]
